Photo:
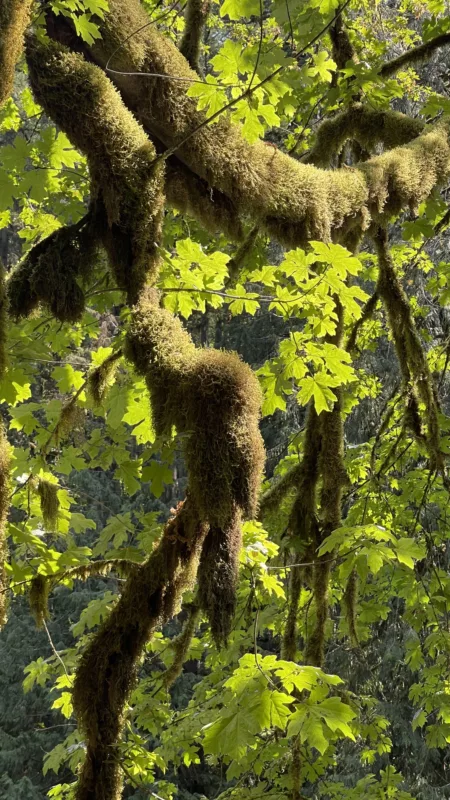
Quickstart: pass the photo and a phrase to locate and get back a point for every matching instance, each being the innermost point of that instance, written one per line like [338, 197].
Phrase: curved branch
[414, 56]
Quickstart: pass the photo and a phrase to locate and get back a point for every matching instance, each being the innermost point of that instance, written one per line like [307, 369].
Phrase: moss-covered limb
[4, 508]
[349, 600]
[272, 498]
[50, 271]
[192, 195]
[289, 643]
[195, 18]
[213, 398]
[342, 48]
[412, 358]
[236, 264]
[14, 18]
[99, 379]
[367, 313]
[106, 672]
[367, 126]
[414, 56]
[294, 202]
[126, 183]
[334, 477]
[181, 645]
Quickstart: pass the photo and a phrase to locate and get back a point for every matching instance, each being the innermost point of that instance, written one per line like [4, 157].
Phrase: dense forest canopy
[224, 346]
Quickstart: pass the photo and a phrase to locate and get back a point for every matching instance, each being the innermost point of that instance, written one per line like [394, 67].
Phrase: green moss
[48, 496]
[126, 183]
[102, 377]
[107, 671]
[49, 274]
[417, 379]
[218, 577]
[349, 600]
[195, 18]
[38, 599]
[369, 127]
[14, 18]
[289, 643]
[294, 202]
[3, 323]
[181, 645]
[4, 508]
[210, 396]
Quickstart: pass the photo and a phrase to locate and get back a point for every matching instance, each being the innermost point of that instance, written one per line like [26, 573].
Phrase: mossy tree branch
[195, 18]
[14, 17]
[414, 56]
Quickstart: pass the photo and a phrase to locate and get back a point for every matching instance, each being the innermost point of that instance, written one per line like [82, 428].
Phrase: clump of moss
[369, 127]
[101, 378]
[48, 496]
[14, 18]
[349, 599]
[38, 599]
[218, 576]
[49, 273]
[107, 671]
[4, 507]
[70, 419]
[126, 181]
[213, 398]
[181, 646]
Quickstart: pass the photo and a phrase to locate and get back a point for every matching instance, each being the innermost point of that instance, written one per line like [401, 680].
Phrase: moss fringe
[49, 273]
[181, 646]
[38, 599]
[107, 671]
[14, 18]
[48, 496]
[4, 508]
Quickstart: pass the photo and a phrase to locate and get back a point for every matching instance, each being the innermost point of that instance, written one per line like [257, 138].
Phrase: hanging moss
[239, 259]
[181, 646]
[218, 577]
[14, 18]
[4, 507]
[101, 378]
[213, 398]
[48, 496]
[293, 202]
[413, 362]
[192, 196]
[289, 643]
[38, 599]
[126, 183]
[107, 671]
[367, 126]
[195, 19]
[70, 419]
[49, 273]
[349, 600]
[3, 322]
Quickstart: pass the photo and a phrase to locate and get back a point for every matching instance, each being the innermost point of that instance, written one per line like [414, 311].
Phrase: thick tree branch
[14, 16]
[294, 202]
